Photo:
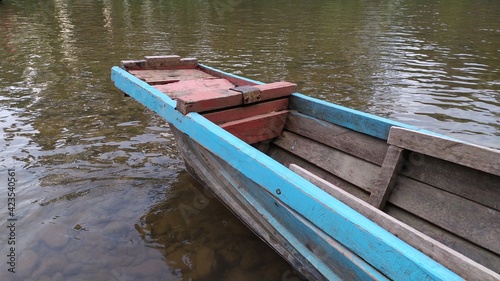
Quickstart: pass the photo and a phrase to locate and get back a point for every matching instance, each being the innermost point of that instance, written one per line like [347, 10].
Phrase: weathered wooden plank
[160, 62]
[352, 169]
[474, 222]
[189, 62]
[206, 101]
[155, 76]
[470, 155]
[235, 79]
[275, 90]
[360, 145]
[391, 256]
[286, 159]
[345, 117]
[133, 64]
[257, 128]
[250, 94]
[475, 185]
[387, 177]
[477, 253]
[450, 258]
[156, 62]
[223, 116]
[193, 87]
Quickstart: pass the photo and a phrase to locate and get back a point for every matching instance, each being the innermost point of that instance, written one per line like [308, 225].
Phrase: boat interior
[440, 195]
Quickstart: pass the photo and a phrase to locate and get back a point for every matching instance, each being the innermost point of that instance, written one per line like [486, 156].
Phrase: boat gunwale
[393, 257]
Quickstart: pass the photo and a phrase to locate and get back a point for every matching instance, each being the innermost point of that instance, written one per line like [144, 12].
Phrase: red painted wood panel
[258, 128]
[186, 88]
[247, 111]
[276, 90]
[206, 101]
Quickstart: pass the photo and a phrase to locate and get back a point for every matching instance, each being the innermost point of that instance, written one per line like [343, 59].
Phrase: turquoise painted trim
[384, 251]
[349, 118]
[284, 219]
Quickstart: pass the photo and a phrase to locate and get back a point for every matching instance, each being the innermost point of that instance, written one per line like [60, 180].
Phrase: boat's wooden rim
[392, 256]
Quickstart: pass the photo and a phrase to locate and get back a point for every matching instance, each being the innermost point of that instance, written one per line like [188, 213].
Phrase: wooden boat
[339, 193]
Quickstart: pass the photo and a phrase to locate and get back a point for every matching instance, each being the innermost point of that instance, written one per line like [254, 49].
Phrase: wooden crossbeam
[233, 114]
[387, 178]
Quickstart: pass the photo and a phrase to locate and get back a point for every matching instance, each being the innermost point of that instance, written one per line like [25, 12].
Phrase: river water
[101, 192]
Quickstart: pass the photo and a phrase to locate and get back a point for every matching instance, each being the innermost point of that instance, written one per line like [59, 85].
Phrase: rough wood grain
[154, 76]
[469, 220]
[194, 87]
[133, 64]
[477, 253]
[257, 128]
[156, 62]
[475, 185]
[206, 101]
[223, 116]
[387, 177]
[343, 165]
[286, 158]
[275, 90]
[360, 145]
[450, 258]
[473, 156]
[236, 80]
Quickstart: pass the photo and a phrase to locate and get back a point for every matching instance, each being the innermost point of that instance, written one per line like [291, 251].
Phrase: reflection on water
[102, 193]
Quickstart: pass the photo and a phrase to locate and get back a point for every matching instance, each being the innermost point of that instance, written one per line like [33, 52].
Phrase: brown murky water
[101, 193]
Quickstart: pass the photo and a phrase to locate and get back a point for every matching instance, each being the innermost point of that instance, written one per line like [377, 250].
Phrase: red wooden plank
[194, 87]
[205, 101]
[258, 128]
[247, 111]
[276, 90]
[235, 80]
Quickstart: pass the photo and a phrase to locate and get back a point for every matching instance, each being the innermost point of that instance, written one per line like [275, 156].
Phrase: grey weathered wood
[189, 62]
[360, 145]
[470, 155]
[286, 158]
[133, 64]
[450, 258]
[162, 61]
[469, 220]
[475, 185]
[350, 168]
[387, 177]
[476, 253]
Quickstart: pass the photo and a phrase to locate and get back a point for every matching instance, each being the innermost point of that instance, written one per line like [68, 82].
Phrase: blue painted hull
[319, 235]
